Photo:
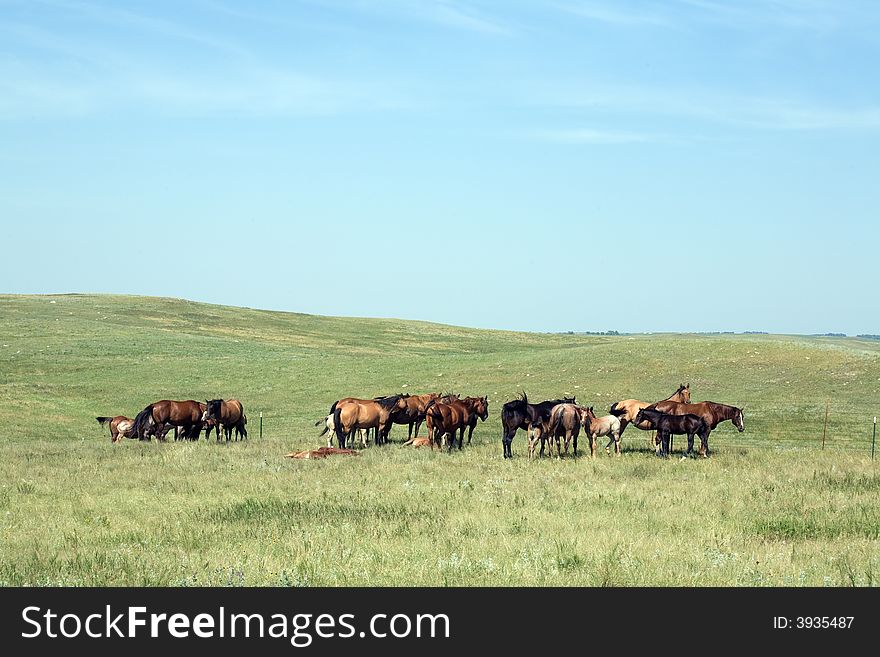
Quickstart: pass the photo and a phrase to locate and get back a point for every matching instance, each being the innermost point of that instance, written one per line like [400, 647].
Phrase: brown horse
[627, 409]
[157, 418]
[350, 414]
[229, 413]
[414, 413]
[120, 426]
[446, 418]
[712, 414]
[565, 422]
[480, 408]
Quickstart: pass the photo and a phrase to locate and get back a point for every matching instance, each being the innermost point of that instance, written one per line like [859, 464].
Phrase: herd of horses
[188, 419]
[555, 424]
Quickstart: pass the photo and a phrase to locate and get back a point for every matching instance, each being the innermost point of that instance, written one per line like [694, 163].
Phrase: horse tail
[337, 424]
[141, 420]
[615, 410]
[103, 420]
[333, 408]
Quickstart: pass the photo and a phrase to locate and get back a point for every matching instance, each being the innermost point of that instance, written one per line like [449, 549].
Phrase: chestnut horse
[520, 414]
[157, 418]
[228, 413]
[712, 413]
[627, 409]
[119, 426]
[350, 414]
[447, 417]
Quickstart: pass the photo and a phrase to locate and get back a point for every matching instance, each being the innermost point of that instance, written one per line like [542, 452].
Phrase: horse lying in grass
[668, 425]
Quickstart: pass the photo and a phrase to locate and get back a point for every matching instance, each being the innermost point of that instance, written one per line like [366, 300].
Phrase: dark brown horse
[520, 414]
[230, 414]
[351, 414]
[712, 413]
[679, 425]
[414, 413]
[158, 418]
[120, 426]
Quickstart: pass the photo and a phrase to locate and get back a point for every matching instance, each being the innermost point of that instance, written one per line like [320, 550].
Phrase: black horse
[667, 425]
[519, 414]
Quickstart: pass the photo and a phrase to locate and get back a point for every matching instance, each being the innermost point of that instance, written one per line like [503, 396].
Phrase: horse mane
[388, 402]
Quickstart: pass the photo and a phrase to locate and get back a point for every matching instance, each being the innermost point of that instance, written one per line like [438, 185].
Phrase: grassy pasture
[769, 508]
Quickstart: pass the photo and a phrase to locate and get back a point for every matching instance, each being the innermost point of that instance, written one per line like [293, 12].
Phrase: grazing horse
[228, 413]
[157, 418]
[711, 412]
[608, 425]
[350, 414]
[627, 409]
[414, 413]
[520, 414]
[119, 426]
[667, 425]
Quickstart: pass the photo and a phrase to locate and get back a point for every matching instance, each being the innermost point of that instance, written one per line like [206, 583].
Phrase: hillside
[769, 508]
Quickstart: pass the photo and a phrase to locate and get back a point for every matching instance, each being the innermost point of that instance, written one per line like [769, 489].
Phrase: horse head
[739, 420]
[212, 410]
[482, 408]
[683, 393]
[586, 416]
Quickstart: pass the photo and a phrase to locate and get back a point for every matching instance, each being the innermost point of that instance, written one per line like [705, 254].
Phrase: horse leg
[471, 431]
[616, 436]
[594, 438]
[575, 445]
[690, 448]
[461, 437]
[704, 444]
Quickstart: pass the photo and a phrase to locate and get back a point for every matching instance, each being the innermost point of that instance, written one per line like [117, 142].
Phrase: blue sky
[689, 165]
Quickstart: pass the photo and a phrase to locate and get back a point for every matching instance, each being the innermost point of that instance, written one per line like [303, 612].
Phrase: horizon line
[606, 333]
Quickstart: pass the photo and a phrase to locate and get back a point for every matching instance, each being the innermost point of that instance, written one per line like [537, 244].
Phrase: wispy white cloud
[598, 137]
[619, 14]
[695, 105]
[67, 74]
[452, 14]
[811, 15]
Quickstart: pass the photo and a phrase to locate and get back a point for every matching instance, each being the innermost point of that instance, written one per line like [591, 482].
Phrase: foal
[594, 427]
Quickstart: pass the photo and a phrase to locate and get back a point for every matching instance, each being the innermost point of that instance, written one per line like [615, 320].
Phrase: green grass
[769, 508]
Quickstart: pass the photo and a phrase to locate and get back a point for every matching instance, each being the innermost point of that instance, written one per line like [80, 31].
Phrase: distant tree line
[868, 336]
[594, 333]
